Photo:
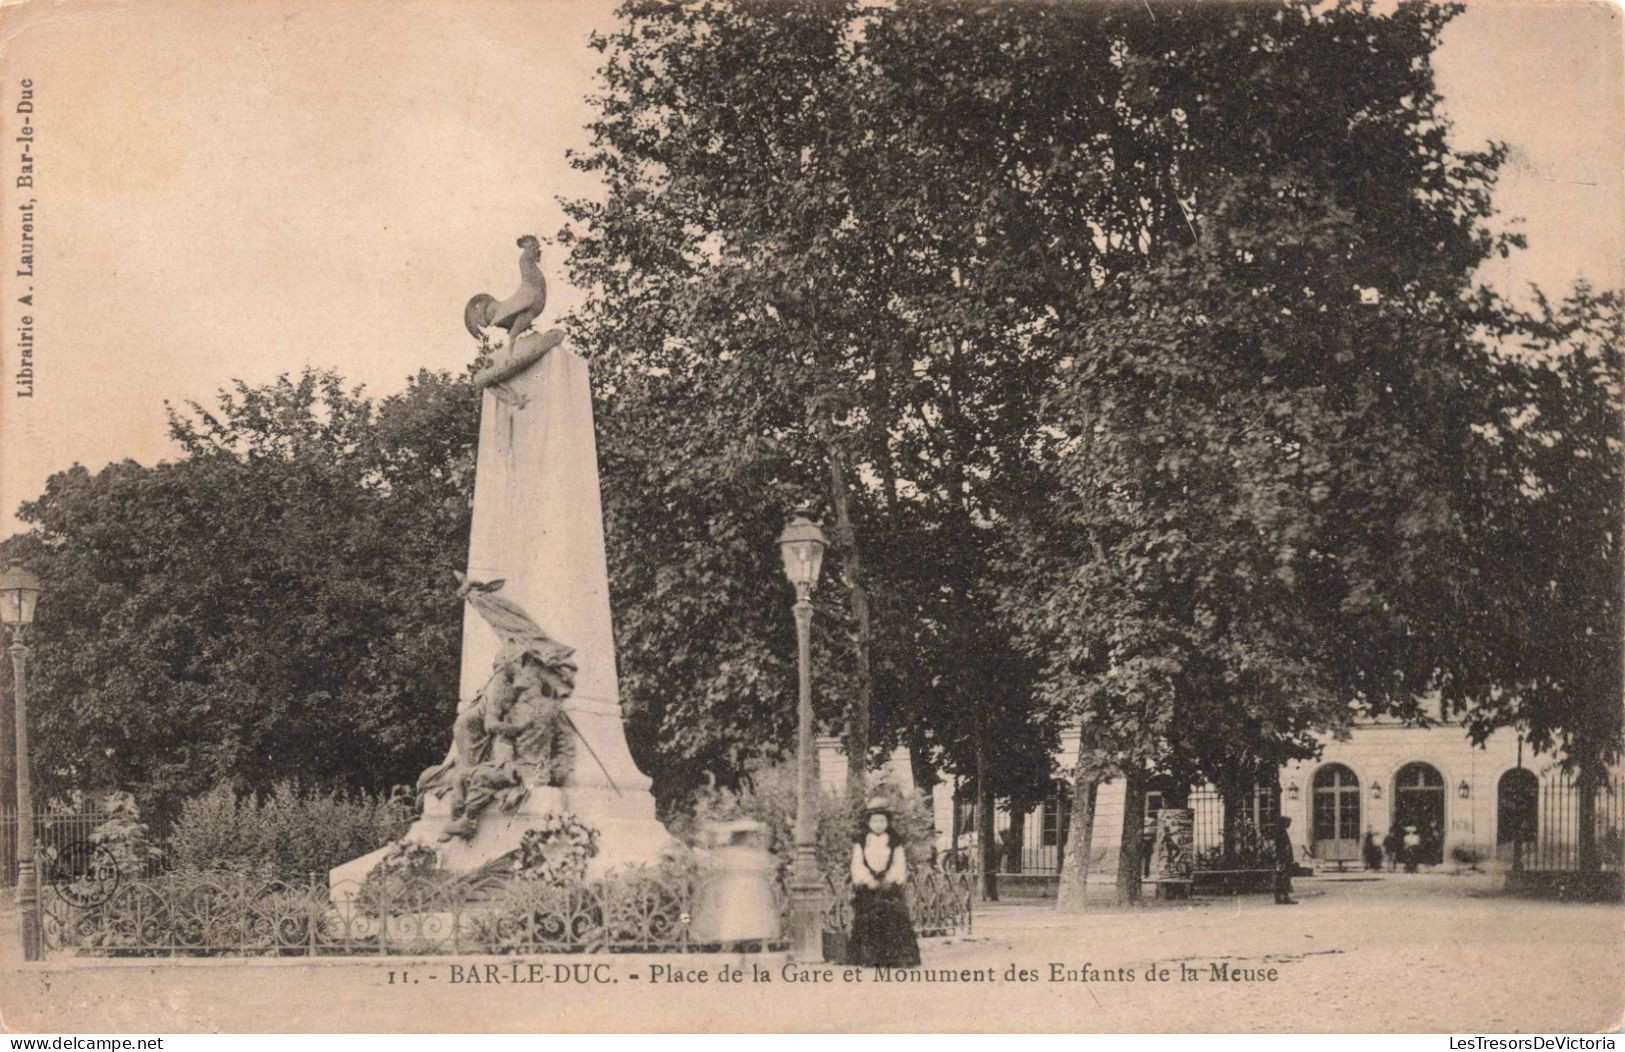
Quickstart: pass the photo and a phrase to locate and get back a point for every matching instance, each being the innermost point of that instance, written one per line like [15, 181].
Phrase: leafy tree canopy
[273, 604]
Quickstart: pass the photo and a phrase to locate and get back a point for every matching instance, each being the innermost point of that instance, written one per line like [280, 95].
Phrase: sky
[238, 190]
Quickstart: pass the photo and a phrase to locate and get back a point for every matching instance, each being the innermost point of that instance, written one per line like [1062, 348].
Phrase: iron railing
[59, 833]
[635, 910]
[1557, 843]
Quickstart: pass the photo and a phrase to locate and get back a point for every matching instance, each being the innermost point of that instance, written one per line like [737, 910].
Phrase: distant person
[1392, 845]
[735, 902]
[1411, 849]
[1373, 852]
[882, 934]
[1283, 863]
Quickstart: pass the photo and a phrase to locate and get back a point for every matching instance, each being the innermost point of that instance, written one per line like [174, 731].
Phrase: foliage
[1462, 855]
[288, 834]
[1252, 849]
[837, 248]
[406, 858]
[273, 603]
[1546, 530]
[556, 850]
[1252, 528]
[125, 836]
[408, 873]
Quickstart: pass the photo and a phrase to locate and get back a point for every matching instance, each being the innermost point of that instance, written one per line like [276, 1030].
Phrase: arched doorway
[1419, 802]
[1517, 803]
[1335, 825]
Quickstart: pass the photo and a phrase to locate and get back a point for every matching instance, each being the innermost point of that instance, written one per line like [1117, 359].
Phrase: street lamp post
[802, 546]
[19, 590]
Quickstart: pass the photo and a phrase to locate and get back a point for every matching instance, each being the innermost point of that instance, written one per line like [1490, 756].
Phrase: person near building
[1372, 851]
[1148, 841]
[882, 933]
[1411, 849]
[1284, 863]
[1392, 845]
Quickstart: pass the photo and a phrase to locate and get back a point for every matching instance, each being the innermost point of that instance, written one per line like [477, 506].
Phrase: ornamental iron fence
[58, 833]
[635, 910]
[1560, 818]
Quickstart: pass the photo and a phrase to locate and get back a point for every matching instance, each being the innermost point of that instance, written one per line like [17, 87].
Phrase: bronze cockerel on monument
[516, 313]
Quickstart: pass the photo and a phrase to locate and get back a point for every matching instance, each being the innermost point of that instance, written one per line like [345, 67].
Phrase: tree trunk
[1063, 824]
[1234, 798]
[857, 712]
[1075, 865]
[987, 850]
[1590, 859]
[1129, 857]
[1015, 839]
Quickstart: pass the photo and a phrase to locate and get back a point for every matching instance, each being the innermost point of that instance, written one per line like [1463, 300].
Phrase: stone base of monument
[628, 832]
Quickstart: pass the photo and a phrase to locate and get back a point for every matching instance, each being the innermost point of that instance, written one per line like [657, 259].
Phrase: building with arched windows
[1387, 776]
[1483, 805]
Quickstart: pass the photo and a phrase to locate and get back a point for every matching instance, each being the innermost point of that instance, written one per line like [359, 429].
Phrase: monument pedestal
[538, 528]
[628, 832]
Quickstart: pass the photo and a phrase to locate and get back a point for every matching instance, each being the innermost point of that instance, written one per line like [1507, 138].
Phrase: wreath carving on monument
[557, 850]
[514, 733]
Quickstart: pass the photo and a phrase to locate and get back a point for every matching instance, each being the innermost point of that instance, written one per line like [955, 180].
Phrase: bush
[122, 832]
[768, 795]
[289, 835]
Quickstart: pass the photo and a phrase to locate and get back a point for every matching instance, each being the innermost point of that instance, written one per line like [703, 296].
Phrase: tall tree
[1546, 527]
[1254, 526]
[274, 603]
[802, 234]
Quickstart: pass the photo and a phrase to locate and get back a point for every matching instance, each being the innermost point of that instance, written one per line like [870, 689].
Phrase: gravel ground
[1398, 953]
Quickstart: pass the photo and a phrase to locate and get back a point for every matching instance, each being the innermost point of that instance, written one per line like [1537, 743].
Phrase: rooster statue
[516, 313]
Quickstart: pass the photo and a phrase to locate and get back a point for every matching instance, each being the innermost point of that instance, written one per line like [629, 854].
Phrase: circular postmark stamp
[81, 873]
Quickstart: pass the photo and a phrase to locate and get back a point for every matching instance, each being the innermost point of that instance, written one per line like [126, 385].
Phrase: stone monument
[539, 728]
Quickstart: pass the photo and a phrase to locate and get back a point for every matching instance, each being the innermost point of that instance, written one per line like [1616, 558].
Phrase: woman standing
[881, 931]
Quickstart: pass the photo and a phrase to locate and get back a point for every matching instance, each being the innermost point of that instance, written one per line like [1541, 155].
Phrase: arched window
[1419, 803]
[1419, 776]
[1517, 801]
[1335, 816]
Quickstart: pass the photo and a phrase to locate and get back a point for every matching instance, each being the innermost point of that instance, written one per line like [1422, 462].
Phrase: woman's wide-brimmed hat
[877, 805]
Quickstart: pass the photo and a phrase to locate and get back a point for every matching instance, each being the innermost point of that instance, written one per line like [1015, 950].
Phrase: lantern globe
[19, 591]
[801, 546]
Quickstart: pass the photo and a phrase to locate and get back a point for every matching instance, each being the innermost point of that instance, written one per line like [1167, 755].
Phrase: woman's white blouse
[875, 848]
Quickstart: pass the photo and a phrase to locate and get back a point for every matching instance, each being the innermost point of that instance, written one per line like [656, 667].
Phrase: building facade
[1472, 805]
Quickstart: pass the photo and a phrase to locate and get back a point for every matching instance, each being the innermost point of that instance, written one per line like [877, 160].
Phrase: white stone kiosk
[538, 526]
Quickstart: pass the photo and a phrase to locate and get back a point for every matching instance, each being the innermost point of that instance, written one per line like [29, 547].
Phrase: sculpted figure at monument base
[514, 734]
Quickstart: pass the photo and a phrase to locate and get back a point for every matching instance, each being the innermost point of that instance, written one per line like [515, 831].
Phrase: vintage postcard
[812, 516]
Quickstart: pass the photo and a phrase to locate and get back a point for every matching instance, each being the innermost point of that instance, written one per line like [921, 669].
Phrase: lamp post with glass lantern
[19, 591]
[802, 547]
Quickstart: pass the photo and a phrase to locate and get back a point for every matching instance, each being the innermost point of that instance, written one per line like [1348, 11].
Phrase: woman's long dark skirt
[881, 931]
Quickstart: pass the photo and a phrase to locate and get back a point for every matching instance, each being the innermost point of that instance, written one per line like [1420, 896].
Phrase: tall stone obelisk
[538, 528]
